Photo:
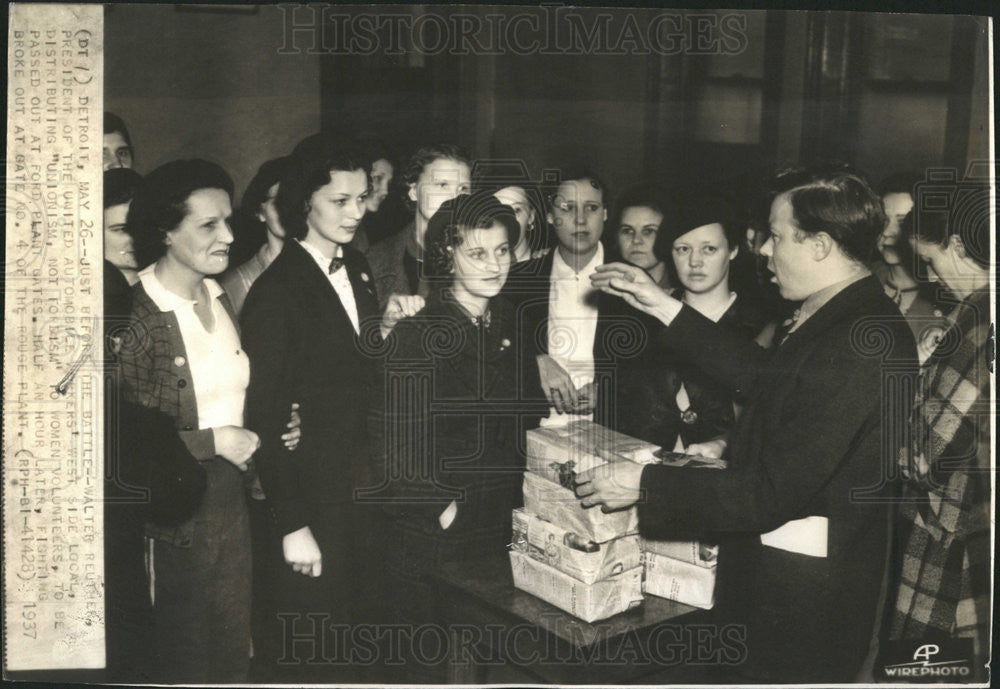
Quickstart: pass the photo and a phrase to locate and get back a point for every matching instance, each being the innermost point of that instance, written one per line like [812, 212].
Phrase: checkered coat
[157, 375]
[944, 586]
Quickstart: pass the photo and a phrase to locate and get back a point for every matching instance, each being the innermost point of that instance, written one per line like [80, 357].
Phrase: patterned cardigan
[157, 375]
[944, 586]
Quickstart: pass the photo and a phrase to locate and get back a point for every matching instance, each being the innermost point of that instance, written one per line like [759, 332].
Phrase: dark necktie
[336, 263]
[781, 334]
[897, 296]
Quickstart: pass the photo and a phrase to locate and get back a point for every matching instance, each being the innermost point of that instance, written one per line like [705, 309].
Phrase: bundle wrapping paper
[589, 602]
[558, 453]
[692, 552]
[559, 505]
[677, 580]
[552, 545]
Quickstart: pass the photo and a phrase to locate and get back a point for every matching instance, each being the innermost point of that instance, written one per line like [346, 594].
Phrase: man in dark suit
[306, 325]
[803, 532]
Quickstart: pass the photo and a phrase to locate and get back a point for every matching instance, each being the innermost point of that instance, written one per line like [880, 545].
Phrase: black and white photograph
[498, 345]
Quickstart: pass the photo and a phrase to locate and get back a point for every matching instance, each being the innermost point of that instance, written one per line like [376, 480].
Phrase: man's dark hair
[121, 184]
[900, 183]
[449, 223]
[113, 123]
[160, 204]
[836, 199]
[309, 168]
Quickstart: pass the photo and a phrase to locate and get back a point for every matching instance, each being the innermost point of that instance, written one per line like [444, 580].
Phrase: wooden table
[492, 623]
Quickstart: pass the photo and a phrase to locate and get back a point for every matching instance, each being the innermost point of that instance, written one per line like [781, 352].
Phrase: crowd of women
[323, 394]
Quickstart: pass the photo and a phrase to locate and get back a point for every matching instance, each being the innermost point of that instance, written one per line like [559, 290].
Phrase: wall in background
[212, 84]
[208, 83]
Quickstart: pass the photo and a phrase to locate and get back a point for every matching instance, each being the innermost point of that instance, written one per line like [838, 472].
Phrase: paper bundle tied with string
[560, 506]
[589, 602]
[559, 453]
[584, 560]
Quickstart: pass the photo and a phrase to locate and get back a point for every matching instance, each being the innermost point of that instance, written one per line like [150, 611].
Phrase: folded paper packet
[692, 552]
[559, 452]
[570, 553]
[678, 580]
[560, 506]
[679, 459]
[589, 602]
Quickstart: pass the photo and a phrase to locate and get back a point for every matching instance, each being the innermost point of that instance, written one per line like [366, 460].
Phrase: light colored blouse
[220, 369]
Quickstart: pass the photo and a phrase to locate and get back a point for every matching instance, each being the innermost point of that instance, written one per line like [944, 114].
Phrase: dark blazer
[810, 439]
[386, 259]
[303, 349]
[444, 428]
[621, 333]
[444, 421]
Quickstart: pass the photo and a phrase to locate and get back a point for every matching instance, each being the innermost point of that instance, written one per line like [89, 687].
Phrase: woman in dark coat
[445, 421]
[675, 406]
[305, 330]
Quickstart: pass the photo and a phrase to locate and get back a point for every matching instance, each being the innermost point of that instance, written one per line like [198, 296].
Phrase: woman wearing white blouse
[184, 358]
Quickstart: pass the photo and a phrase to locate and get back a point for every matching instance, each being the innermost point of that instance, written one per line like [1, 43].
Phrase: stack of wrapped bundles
[683, 571]
[583, 561]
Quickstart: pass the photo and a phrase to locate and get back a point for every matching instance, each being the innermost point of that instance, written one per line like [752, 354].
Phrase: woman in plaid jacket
[944, 518]
[183, 358]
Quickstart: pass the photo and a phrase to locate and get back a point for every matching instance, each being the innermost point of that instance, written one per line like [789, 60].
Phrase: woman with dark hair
[120, 187]
[184, 359]
[374, 226]
[258, 225]
[681, 408]
[942, 579]
[450, 480]
[896, 269]
[306, 324]
[636, 222]
[117, 143]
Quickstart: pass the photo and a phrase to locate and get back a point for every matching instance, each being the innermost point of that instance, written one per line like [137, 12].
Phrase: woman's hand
[613, 486]
[293, 436]
[302, 552]
[235, 444]
[634, 285]
[398, 307]
[557, 385]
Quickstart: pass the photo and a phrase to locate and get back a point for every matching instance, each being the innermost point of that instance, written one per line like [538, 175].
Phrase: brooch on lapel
[504, 344]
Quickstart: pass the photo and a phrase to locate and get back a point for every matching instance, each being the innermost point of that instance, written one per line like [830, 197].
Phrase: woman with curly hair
[450, 479]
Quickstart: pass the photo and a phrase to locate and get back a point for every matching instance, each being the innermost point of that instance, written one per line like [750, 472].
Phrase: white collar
[321, 260]
[166, 300]
[562, 269]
